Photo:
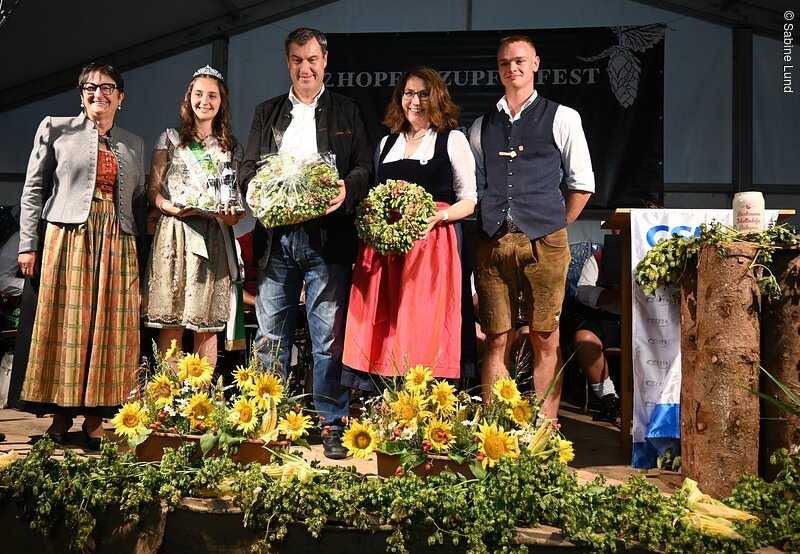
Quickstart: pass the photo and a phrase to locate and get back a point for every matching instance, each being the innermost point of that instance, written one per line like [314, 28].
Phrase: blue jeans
[296, 257]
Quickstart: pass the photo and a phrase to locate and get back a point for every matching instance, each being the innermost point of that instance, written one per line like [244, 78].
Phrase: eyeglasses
[105, 88]
[423, 95]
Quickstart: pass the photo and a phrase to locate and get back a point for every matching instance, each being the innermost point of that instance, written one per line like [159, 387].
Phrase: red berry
[396, 431]
[427, 467]
[398, 471]
[477, 439]
[322, 418]
[327, 427]
[153, 426]
[171, 429]
[163, 415]
[201, 426]
[392, 437]
[297, 407]
[325, 433]
[479, 457]
[344, 419]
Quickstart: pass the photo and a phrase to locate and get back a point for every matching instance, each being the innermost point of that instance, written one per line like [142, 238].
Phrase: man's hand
[27, 263]
[336, 202]
[229, 215]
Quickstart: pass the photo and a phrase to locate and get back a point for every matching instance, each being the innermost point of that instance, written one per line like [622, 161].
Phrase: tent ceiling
[43, 43]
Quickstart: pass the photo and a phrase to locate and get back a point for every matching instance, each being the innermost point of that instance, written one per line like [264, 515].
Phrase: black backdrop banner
[613, 76]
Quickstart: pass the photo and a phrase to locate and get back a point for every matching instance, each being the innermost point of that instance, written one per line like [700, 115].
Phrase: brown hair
[442, 112]
[303, 35]
[220, 127]
[516, 38]
[105, 69]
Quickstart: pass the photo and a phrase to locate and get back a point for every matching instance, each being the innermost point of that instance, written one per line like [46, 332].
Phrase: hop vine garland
[393, 215]
[666, 262]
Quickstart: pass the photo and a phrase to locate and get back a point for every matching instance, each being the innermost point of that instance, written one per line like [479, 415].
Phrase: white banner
[656, 335]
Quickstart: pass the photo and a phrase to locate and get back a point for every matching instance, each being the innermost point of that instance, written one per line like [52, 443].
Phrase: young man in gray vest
[525, 147]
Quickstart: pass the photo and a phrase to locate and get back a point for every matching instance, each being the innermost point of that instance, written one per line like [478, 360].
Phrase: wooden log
[780, 355]
[723, 442]
[688, 360]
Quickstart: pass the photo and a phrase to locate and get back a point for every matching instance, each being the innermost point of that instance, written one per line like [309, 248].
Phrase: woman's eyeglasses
[423, 95]
[105, 88]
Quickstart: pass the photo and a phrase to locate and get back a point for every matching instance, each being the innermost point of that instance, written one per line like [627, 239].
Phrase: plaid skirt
[85, 344]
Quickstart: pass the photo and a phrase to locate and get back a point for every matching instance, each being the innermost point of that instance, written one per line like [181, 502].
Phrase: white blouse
[458, 150]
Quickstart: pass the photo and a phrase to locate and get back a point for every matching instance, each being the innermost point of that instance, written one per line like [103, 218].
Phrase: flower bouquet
[288, 189]
[427, 422]
[187, 405]
[393, 215]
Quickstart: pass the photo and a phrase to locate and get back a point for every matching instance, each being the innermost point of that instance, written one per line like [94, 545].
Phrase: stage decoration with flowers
[288, 189]
[182, 397]
[394, 215]
[423, 418]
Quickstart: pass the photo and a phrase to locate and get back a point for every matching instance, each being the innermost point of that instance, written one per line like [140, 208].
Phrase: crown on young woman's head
[209, 71]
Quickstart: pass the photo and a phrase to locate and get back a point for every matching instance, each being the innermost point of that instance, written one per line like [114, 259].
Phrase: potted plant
[181, 403]
[424, 425]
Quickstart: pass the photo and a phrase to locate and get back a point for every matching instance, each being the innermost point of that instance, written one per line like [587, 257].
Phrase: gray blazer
[62, 171]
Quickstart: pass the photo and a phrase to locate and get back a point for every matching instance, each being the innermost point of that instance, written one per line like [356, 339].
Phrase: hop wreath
[393, 215]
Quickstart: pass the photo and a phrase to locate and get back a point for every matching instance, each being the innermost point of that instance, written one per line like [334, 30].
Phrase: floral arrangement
[205, 197]
[288, 189]
[188, 402]
[428, 417]
[393, 215]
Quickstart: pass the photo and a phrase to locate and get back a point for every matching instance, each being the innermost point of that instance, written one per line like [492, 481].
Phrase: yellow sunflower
[7, 459]
[199, 409]
[172, 351]
[294, 425]
[162, 390]
[264, 388]
[244, 415]
[131, 420]
[196, 370]
[443, 397]
[244, 377]
[417, 378]
[440, 435]
[565, 452]
[521, 412]
[495, 443]
[360, 439]
[408, 408]
[506, 390]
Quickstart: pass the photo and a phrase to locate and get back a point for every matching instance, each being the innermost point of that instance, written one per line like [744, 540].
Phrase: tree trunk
[780, 356]
[688, 360]
[723, 442]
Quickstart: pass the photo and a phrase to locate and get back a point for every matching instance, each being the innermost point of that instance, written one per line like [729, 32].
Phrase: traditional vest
[527, 183]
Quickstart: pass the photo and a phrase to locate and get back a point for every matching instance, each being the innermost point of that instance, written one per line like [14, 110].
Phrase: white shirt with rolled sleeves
[569, 137]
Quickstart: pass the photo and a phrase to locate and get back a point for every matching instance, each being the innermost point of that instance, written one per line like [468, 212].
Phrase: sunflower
[442, 397]
[565, 452]
[440, 435]
[199, 409]
[172, 351]
[264, 388]
[417, 378]
[495, 443]
[294, 425]
[131, 420]
[408, 408]
[244, 415]
[360, 439]
[506, 390]
[162, 390]
[244, 377]
[521, 412]
[196, 370]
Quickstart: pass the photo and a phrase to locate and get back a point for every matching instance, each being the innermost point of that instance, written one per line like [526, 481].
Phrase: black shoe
[60, 438]
[92, 443]
[332, 445]
[609, 410]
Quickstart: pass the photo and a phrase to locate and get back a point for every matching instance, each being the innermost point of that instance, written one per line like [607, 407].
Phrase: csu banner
[656, 335]
[613, 76]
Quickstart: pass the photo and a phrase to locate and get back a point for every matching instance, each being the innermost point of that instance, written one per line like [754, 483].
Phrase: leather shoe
[332, 445]
[92, 443]
[61, 436]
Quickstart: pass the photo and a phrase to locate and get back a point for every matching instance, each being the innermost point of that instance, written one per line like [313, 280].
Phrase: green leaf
[136, 440]
[477, 470]
[207, 442]
[393, 447]
[412, 459]
[457, 458]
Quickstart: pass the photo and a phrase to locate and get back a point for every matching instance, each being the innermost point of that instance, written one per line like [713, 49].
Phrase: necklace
[410, 139]
[201, 140]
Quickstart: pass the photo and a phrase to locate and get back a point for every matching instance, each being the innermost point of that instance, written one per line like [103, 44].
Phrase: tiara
[208, 70]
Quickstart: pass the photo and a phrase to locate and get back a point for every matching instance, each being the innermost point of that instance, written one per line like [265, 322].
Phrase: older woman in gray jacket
[84, 176]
